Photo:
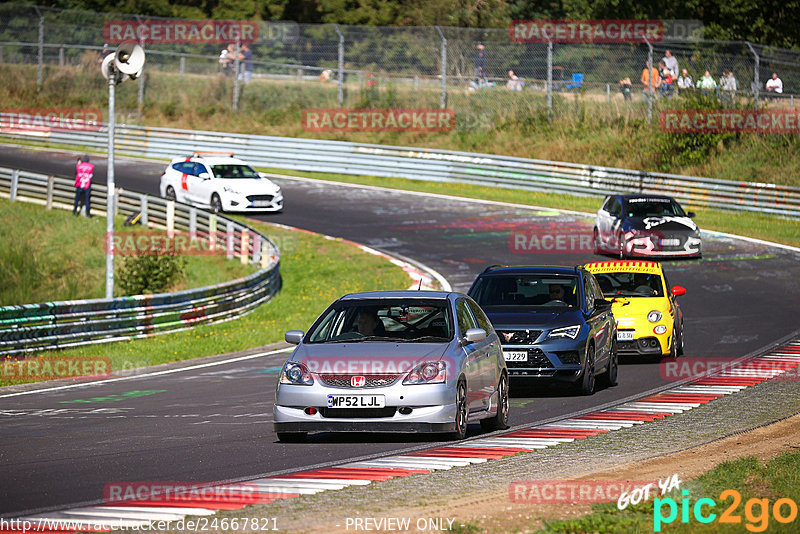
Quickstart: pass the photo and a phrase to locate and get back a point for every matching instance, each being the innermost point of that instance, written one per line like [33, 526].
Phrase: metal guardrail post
[256, 249]
[14, 184]
[212, 231]
[170, 218]
[192, 223]
[264, 255]
[229, 240]
[50, 183]
[144, 211]
[756, 73]
[340, 96]
[443, 99]
[549, 87]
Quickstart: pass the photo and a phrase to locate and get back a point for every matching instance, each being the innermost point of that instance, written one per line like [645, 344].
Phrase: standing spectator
[480, 64]
[774, 85]
[672, 63]
[246, 55]
[728, 87]
[103, 53]
[626, 87]
[706, 83]
[227, 58]
[649, 73]
[83, 184]
[666, 80]
[513, 83]
[685, 82]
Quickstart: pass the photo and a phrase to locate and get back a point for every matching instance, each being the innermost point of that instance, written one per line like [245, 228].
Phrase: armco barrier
[436, 165]
[51, 325]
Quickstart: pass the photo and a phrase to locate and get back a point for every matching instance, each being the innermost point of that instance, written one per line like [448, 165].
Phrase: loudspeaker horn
[129, 59]
[107, 68]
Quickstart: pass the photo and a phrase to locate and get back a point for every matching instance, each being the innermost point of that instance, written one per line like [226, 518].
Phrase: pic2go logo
[756, 511]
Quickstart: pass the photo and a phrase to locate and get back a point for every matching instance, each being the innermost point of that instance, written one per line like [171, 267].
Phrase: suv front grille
[372, 381]
[518, 337]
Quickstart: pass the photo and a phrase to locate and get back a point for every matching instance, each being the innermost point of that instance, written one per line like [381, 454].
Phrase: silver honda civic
[394, 361]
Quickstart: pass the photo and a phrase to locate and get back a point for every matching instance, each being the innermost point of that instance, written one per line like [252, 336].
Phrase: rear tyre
[462, 408]
[588, 382]
[500, 420]
[292, 437]
[598, 249]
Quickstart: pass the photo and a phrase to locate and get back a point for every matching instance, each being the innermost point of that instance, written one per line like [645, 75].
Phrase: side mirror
[294, 336]
[203, 176]
[473, 335]
[678, 290]
[602, 305]
[691, 215]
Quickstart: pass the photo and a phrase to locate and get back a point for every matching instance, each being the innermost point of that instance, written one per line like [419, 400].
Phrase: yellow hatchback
[649, 320]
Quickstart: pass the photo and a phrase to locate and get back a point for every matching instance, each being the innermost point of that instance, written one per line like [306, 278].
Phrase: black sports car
[645, 226]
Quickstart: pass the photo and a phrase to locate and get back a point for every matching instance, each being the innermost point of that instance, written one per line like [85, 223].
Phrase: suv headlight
[570, 332]
[427, 373]
[654, 316]
[296, 373]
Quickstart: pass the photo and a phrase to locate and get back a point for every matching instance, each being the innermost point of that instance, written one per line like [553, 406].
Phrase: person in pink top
[83, 184]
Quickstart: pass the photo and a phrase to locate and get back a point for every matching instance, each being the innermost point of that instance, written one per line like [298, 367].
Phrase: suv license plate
[515, 356]
[261, 203]
[624, 336]
[356, 401]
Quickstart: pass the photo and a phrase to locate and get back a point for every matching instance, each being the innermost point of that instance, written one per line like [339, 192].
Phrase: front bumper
[559, 361]
[243, 203]
[651, 246]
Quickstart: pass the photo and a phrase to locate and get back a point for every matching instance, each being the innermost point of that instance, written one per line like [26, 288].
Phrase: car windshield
[653, 207]
[630, 285]
[394, 320]
[234, 170]
[527, 290]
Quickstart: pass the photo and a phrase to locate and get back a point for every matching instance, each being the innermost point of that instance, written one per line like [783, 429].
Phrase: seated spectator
[706, 83]
[774, 85]
[325, 75]
[513, 83]
[685, 82]
[626, 87]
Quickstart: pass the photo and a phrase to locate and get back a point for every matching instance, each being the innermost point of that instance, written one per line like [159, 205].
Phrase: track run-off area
[212, 420]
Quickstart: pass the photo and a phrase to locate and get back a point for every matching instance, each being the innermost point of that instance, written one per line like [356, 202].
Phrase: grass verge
[315, 271]
[755, 225]
[758, 485]
[50, 255]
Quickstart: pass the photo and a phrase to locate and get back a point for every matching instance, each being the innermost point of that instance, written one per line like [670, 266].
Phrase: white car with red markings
[220, 182]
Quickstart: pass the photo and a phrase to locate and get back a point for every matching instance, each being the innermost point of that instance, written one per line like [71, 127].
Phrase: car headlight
[654, 316]
[427, 373]
[297, 374]
[570, 332]
[660, 329]
[231, 190]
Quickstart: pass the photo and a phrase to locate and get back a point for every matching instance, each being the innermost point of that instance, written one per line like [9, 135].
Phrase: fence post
[171, 218]
[608, 93]
[236, 66]
[264, 256]
[50, 183]
[650, 94]
[341, 65]
[756, 69]
[41, 48]
[256, 249]
[183, 64]
[14, 184]
[1, 53]
[229, 240]
[144, 208]
[61, 56]
[244, 246]
[549, 78]
[212, 231]
[443, 98]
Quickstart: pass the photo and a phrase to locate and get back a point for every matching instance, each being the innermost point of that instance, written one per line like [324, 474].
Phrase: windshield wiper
[423, 339]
